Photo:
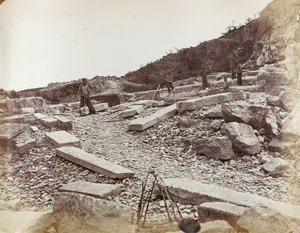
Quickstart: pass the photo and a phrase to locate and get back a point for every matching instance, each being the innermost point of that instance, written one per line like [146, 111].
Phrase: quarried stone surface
[254, 115]
[64, 123]
[92, 189]
[215, 147]
[141, 124]
[79, 213]
[265, 219]
[243, 137]
[49, 122]
[93, 163]
[194, 192]
[62, 138]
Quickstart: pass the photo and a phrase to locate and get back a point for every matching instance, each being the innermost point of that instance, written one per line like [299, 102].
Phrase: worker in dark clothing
[169, 83]
[84, 92]
[204, 72]
[233, 65]
[239, 71]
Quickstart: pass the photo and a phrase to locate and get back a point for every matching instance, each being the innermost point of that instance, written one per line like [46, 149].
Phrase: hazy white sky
[43, 41]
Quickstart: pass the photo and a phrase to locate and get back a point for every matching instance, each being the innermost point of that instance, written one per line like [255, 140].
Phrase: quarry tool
[174, 222]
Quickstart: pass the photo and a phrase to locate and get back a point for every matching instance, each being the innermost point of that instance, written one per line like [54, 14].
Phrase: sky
[46, 41]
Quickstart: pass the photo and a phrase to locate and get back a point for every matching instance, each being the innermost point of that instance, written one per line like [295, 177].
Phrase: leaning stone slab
[101, 107]
[133, 110]
[64, 123]
[220, 211]
[92, 189]
[194, 192]
[62, 138]
[141, 124]
[93, 163]
[10, 130]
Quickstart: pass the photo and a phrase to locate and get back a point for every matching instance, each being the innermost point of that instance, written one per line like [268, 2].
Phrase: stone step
[194, 192]
[62, 138]
[92, 189]
[197, 103]
[141, 124]
[93, 163]
[49, 122]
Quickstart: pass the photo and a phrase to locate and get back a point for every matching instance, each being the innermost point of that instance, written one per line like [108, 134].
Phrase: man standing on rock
[169, 83]
[84, 92]
[239, 71]
[204, 72]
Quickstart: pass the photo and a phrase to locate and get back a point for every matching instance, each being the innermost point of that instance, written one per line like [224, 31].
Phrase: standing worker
[169, 83]
[84, 92]
[239, 71]
[204, 73]
[233, 65]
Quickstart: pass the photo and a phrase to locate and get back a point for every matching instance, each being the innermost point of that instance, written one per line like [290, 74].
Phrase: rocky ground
[30, 180]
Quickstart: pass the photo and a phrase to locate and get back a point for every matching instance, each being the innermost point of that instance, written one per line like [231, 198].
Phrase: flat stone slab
[62, 138]
[92, 189]
[23, 143]
[93, 163]
[194, 192]
[141, 124]
[197, 103]
[101, 107]
[10, 130]
[64, 123]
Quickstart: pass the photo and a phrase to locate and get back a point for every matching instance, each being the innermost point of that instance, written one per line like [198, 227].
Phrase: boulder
[214, 147]
[254, 115]
[276, 145]
[273, 100]
[291, 126]
[216, 124]
[289, 98]
[271, 127]
[243, 137]
[214, 113]
[78, 213]
[276, 166]
[264, 219]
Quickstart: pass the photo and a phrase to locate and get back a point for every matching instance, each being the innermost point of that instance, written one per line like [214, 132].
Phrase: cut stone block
[220, 211]
[10, 130]
[133, 110]
[254, 88]
[93, 163]
[49, 122]
[141, 124]
[208, 100]
[101, 107]
[194, 192]
[64, 123]
[62, 138]
[84, 111]
[92, 189]
[20, 118]
[27, 110]
[39, 117]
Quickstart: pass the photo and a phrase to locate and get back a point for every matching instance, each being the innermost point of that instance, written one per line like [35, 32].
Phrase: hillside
[261, 41]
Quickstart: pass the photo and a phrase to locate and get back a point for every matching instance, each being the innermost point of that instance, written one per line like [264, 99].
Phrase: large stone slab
[93, 163]
[10, 130]
[209, 100]
[79, 213]
[92, 189]
[243, 137]
[20, 118]
[141, 124]
[64, 123]
[23, 143]
[254, 88]
[62, 138]
[49, 122]
[194, 192]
